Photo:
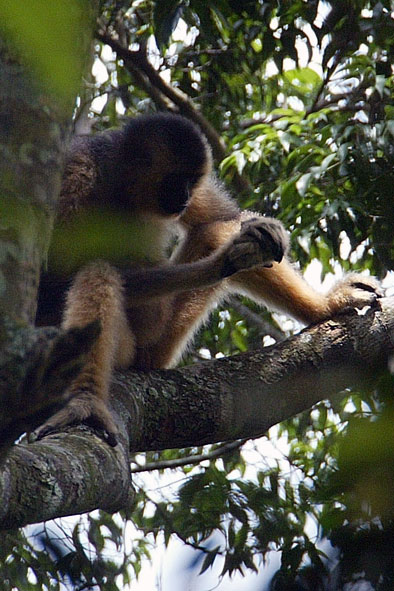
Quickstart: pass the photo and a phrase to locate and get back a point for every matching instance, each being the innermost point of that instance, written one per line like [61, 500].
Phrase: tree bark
[32, 136]
[32, 139]
[244, 395]
[237, 397]
[34, 125]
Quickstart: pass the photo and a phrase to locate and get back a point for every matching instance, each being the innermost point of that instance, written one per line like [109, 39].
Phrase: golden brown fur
[159, 169]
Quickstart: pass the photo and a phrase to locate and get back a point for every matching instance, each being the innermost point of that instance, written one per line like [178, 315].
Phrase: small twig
[264, 328]
[196, 459]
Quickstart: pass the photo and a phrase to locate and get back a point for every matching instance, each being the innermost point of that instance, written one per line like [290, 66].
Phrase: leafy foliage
[301, 93]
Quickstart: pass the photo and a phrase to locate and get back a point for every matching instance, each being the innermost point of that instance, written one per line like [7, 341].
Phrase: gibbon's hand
[261, 241]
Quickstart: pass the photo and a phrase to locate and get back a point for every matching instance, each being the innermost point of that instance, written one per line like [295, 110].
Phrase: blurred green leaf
[166, 15]
[50, 38]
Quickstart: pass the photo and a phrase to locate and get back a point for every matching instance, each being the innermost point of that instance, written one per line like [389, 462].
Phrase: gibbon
[157, 173]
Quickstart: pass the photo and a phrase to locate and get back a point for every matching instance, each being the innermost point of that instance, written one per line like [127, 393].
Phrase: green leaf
[209, 559]
[166, 15]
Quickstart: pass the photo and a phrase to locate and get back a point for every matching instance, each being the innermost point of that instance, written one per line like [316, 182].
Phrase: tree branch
[66, 475]
[244, 395]
[189, 460]
[227, 399]
[152, 83]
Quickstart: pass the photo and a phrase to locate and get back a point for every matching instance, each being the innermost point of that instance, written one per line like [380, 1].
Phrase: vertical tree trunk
[34, 125]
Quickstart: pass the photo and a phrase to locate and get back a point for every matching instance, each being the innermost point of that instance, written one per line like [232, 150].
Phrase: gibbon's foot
[261, 241]
[355, 291]
[85, 408]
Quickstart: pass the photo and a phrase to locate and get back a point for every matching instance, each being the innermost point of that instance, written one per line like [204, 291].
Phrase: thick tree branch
[65, 475]
[238, 397]
[243, 396]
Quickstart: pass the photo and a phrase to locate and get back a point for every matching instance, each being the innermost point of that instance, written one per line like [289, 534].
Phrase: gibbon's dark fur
[158, 170]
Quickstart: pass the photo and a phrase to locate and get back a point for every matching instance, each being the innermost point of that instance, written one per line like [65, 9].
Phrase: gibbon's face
[175, 191]
[167, 158]
[164, 193]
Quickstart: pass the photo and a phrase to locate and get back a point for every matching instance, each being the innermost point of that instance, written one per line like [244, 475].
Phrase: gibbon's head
[164, 157]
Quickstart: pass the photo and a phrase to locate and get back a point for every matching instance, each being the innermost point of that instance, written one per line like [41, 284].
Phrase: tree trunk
[34, 125]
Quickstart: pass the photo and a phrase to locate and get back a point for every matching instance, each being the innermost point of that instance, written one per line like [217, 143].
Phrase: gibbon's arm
[279, 286]
[154, 283]
[252, 243]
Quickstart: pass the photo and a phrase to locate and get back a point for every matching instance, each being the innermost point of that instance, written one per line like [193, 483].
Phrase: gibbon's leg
[96, 294]
[281, 286]
[190, 308]
[189, 311]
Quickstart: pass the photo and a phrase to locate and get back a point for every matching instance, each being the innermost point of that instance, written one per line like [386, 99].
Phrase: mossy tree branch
[227, 399]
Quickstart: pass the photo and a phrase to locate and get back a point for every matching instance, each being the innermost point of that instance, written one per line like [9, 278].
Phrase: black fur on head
[151, 164]
[179, 135]
[171, 152]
